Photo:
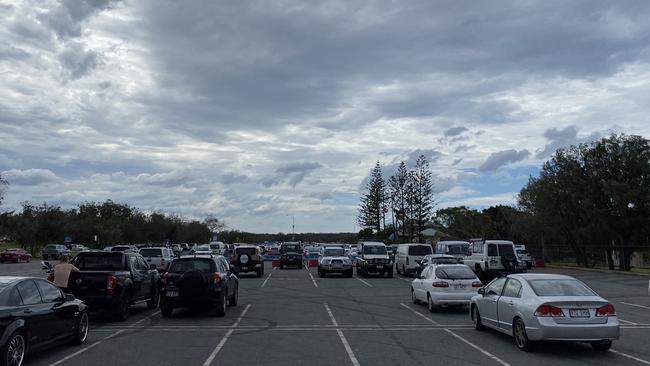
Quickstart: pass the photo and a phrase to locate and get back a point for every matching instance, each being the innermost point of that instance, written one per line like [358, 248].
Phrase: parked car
[248, 258]
[114, 281]
[290, 255]
[177, 249]
[217, 247]
[445, 285]
[199, 281]
[491, 258]
[457, 248]
[54, 251]
[77, 248]
[524, 257]
[333, 260]
[409, 256]
[201, 250]
[160, 256]
[535, 307]
[35, 314]
[125, 248]
[434, 259]
[16, 255]
[373, 258]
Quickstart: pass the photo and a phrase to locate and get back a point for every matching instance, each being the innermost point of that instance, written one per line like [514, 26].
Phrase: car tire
[165, 309]
[396, 268]
[234, 298]
[221, 305]
[601, 346]
[258, 273]
[16, 346]
[123, 308]
[430, 305]
[520, 336]
[81, 329]
[44, 257]
[389, 274]
[349, 274]
[414, 299]
[476, 318]
[155, 299]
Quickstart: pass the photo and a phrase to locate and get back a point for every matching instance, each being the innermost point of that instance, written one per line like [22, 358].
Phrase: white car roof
[542, 276]
[449, 242]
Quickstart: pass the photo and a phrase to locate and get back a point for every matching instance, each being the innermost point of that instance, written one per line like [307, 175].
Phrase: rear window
[290, 248]
[119, 249]
[455, 273]
[506, 249]
[333, 252]
[184, 265]
[549, 287]
[249, 251]
[444, 261]
[458, 249]
[98, 262]
[215, 246]
[151, 252]
[420, 250]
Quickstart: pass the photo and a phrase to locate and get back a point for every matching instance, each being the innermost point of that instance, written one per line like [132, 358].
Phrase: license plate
[380, 266]
[579, 313]
[337, 265]
[459, 287]
[244, 268]
[172, 293]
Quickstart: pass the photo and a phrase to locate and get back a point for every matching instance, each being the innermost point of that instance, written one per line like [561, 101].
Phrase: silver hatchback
[535, 307]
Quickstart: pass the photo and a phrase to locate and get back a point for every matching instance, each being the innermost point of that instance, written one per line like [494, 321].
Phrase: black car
[35, 314]
[199, 281]
[290, 255]
[114, 281]
[248, 258]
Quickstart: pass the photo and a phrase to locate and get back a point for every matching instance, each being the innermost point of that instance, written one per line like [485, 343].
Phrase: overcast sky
[254, 111]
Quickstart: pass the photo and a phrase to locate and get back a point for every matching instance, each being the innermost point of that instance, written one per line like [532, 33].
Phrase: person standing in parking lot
[62, 272]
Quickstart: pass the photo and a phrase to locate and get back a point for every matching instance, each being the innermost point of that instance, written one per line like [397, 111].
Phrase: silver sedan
[534, 307]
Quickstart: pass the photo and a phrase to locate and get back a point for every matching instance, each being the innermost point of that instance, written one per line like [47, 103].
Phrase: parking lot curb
[597, 270]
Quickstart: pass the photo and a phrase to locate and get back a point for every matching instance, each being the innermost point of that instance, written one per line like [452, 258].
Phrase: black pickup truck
[114, 281]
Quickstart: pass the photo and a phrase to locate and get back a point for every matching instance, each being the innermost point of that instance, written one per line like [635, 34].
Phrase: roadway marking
[420, 314]
[86, 348]
[348, 349]
[208, 362]
[636, 305]
[266, 280]
[630, 357]
[311, 276]
[145, 318]
[495, 358]
[364, 282]
[627, 322]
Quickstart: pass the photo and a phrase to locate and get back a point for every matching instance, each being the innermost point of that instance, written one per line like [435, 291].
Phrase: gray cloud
[29, 177]
[502, 158]
[76, 61]
[559, 138]
[454, 131]
[291, 173]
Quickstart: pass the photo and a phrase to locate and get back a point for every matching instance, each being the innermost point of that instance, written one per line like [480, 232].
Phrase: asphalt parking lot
[292, 316]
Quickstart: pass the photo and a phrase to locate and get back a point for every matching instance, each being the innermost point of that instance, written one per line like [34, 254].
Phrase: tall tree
[397, 193]
[373, 201]
[423, 195]
[3, 189]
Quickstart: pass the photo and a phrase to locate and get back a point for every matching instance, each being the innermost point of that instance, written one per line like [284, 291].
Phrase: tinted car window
[29, 293]
[142, 264]
[374, 249]
[98, 262]
[10, 297]
[147, 252]
[458, 249]
[455, 273]
[290, 248]
[333, 252]
[495, 287]
[49, 292]
[420, 250]
[180, 266]
[492, 250]
[506, 249]
[561, 287]
[444, 261]
[513, 288]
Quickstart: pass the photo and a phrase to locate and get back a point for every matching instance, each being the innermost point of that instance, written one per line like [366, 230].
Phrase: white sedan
[445, 285]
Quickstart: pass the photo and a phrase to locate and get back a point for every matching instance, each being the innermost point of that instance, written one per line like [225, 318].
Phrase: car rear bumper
[99, 302]
[547, 329]
[344, 268]
[452, 298]
[287, 261]
[378, 267]
[249, 267]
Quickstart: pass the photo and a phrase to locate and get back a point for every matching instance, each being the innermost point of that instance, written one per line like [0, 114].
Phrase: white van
[408, 257]
[217, 247]
[457, 248]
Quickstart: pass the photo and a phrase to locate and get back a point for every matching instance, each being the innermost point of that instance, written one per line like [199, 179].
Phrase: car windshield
[290, 248]
[98, 262]
[458, 248]
[184, 265]
[420, 250]
[146, 252]
[521, 251]
[333, 252]
[560, 287]
[455, 273]
[203, 248]
[374, 249]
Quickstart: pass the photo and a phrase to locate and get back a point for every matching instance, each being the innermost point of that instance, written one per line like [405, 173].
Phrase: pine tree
[398, 188]
[423, 195]
[371, 209]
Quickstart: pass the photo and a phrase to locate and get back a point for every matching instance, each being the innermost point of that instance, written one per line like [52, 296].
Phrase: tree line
[407, 198]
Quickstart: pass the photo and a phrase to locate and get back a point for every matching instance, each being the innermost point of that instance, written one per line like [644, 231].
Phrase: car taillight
[165, 277]
[477, 284]
[110, 284]
[606, 310]
[440, 284]
[549, 310]
[217, 277]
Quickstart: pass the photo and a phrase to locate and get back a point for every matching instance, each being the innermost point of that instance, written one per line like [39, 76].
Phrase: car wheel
[432, 307]
[321, 274]
[476, 318]
[414, 298]
[601, 346]
[258, 273]
[221, 306]
[155, 299]
[123, 308]
[234, 298]
[389, 274]
[81, 329]
[13, 352]
[349, 274]
[44, 257]
[165, 309]
[521, 338]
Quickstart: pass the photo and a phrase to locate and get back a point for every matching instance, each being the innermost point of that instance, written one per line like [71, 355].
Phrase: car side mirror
[481, 291]
[69, 297]
[152, 266]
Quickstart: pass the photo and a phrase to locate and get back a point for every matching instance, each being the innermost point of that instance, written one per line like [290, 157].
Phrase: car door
[137, 276]
[63, 317]
[147, 283]
[487, 304]
[508, 303]
[39, 317]
[419, 283]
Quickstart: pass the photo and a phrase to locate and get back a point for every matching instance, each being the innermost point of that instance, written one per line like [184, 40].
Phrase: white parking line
[266, 280]
[630, 357]
[420, 314]
[495, 358]
[364, 282]
[627, 322]
[145, 318]
[348, 349]
[85, 348]
[225, 338]
[312, 279]
[636, 305]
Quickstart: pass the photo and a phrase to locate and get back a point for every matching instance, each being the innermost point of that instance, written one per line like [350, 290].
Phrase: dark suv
[199, 281]
[248, 258]
[290, 255]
